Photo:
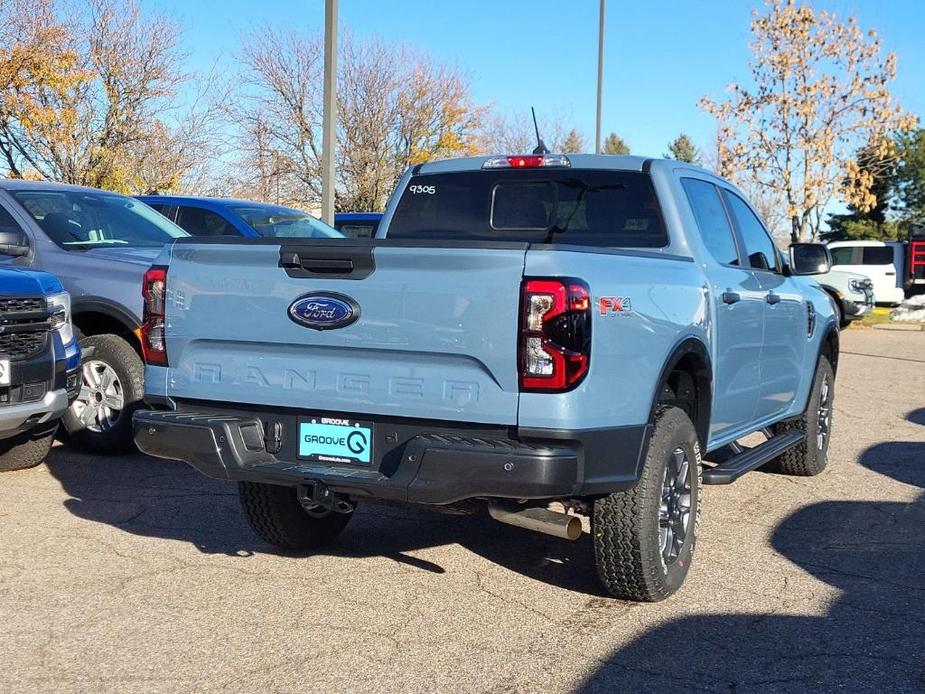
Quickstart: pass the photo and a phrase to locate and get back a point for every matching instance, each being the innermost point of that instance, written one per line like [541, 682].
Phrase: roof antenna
[540, 145]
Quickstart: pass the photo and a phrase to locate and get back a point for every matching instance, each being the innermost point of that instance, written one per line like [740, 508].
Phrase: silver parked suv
[99, 244]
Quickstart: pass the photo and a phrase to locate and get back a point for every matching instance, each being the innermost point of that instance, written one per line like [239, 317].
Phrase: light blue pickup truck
[596, 331]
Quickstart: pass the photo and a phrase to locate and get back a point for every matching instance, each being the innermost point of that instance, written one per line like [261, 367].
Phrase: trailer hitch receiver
[319, 501]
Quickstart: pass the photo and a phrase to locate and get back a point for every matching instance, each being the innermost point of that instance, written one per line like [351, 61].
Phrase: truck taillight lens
[555, 334]
[153, 339]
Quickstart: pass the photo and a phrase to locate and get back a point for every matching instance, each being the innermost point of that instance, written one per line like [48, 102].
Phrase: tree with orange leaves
[820, 90]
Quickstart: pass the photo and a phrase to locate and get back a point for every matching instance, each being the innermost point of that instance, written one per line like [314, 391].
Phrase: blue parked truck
[39, 358]
[592, 330]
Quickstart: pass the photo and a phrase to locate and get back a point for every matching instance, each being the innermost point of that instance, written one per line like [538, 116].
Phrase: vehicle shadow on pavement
[871, 639]
[169, 500]
[154, 498]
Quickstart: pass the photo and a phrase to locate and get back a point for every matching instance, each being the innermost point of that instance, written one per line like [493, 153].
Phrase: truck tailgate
[436, 335]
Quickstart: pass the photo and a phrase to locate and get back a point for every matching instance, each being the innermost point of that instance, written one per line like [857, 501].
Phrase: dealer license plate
[336, 440]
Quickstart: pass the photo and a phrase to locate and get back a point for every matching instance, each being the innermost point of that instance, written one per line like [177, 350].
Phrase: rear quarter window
[877, 255]
[560, 206]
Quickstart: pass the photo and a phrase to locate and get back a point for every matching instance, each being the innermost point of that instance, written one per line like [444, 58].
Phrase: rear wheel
[100, 419]
[275, 514]
[810, 457]
[644, 537]
[26, 450]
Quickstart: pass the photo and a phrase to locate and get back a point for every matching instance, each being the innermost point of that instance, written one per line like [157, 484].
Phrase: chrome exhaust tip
[540, 520]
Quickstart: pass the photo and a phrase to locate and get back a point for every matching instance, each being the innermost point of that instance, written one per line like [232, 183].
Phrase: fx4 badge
[615, 304]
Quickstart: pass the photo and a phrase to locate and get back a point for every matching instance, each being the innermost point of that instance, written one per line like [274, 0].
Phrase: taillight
[153, 339]
[555, 334]
[527, 161]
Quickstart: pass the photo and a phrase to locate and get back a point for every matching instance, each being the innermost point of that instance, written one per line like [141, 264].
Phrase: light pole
[600, 78]
[329, 116]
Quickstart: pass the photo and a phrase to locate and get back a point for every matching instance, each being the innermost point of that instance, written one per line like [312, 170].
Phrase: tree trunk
[794, 229]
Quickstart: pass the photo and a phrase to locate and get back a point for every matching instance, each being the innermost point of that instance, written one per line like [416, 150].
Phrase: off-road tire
[25, 450]
[808, 459]
[275, 514]
[124, 360]
[625, 525]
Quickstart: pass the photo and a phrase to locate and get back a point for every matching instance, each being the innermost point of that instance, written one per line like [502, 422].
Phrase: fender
[107, 307]
[689, 344]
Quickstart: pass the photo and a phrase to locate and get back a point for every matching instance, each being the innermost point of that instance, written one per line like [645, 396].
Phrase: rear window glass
[877, 255]
[567, 206]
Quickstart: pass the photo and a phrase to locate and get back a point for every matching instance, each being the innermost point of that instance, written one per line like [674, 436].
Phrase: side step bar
[732, 469]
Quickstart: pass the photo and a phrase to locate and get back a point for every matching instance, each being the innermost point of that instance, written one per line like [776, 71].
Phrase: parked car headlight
[858, 286]
[60, 306]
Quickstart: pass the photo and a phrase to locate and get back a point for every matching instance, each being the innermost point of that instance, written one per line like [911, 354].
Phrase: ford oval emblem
[324, 311]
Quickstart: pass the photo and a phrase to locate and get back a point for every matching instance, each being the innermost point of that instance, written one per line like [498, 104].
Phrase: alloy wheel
[101, 400]
[674, 515]
[824, 416]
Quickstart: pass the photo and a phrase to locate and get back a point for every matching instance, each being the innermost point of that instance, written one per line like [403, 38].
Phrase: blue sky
[661, 57]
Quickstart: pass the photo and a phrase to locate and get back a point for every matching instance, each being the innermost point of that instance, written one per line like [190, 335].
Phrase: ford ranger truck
[39, 362]
[596, 331]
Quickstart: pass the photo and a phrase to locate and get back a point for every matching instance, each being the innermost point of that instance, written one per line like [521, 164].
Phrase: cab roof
[577, 161]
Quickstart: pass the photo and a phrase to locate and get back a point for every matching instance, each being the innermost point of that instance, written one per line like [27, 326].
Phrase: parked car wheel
[644, 537]
[26, 450]
[275, 514]
[100, 419]
[810, 457]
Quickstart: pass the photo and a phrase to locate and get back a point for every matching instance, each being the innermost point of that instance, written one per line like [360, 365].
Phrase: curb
[913, 327]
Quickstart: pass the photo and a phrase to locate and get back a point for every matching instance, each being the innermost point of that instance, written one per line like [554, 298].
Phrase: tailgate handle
[346, 259]
[338, 266]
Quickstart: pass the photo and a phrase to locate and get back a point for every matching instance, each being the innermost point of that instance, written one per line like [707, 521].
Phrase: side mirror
[13, 242]
[809, 259]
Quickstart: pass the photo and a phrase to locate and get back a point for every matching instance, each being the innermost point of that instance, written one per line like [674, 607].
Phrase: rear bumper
[414, 461]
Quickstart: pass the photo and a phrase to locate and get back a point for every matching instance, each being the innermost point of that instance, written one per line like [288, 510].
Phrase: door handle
[890, 274]
[772, 298]
[730, 297]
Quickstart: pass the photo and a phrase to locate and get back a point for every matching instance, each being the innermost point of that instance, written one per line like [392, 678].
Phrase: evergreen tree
[682, 148]
[614, 144]
[910, 177]
[573, 143]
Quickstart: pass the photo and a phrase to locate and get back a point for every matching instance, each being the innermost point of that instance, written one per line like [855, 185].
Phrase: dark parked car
[229, 217]
[357, 225]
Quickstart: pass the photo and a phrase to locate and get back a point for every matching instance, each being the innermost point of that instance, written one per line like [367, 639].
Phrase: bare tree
[396, 107]
[279, 114]
[513, 133]
[181, 149]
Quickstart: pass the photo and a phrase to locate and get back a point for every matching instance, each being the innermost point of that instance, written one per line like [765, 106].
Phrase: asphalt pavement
[134, 574]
